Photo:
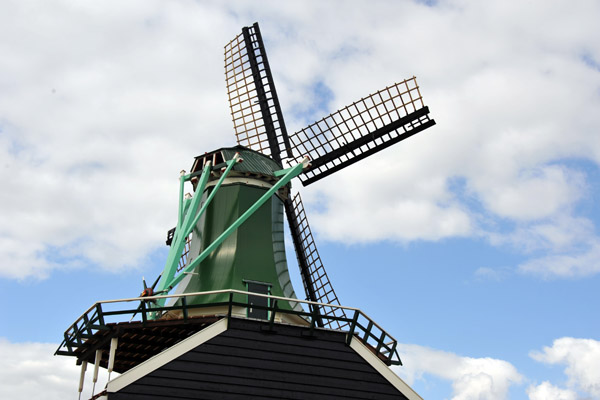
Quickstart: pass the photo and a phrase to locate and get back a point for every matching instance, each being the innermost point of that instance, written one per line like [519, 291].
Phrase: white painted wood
[177, 350]
[97, 365]
[82, 375]
[383, 369]
[114, 342]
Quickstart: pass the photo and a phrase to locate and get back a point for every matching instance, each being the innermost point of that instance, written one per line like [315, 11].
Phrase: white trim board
[383, 369]
[157, 361]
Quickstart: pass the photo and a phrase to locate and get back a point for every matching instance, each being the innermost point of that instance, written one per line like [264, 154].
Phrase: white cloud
[502, 124]
[547, 391]
[518, 196]
[494, 274]
[98, 111]
[581, 358]
[562, 233]
[101, 109]
[560, 247]
[30, 370]
[574, 264]
[386, 201]
[472, 378]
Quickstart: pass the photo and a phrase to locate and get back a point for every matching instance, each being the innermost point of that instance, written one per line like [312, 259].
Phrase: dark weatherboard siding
[248, 361]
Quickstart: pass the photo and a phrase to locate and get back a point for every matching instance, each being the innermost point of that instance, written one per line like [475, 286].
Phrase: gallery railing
[353, 322]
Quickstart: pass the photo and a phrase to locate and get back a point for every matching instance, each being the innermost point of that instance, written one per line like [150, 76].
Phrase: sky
[474, 243]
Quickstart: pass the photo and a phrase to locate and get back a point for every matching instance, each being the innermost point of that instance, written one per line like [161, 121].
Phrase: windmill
[226, 284]
[324, 147]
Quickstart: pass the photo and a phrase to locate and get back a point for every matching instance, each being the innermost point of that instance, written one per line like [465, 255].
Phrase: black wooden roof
[250, 360]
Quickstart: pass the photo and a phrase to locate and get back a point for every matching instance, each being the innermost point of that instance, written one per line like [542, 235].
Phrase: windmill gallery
[222, 321]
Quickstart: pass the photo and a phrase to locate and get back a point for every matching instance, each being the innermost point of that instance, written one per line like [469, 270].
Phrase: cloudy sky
[474, 243]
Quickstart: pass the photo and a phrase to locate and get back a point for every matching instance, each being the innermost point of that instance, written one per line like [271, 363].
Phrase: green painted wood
[255, 251]
[239, 235]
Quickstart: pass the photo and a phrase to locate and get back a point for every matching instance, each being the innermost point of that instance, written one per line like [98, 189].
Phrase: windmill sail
[315, 279]
[255, 110]
[226, 275]
[361, 129]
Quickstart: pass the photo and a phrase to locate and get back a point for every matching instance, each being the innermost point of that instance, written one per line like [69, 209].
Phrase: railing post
[143, 312]
[381, 339]
[368, 331]
[272, 319]
[100, 315]
[352, 327]
[68, 342]
[87, 324]
[393, 352]
[313, 318]
[230, 308]
[184, 309]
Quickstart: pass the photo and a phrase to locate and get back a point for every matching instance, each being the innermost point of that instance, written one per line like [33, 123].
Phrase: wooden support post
[82, 377]
[96, 368]
[114, 342]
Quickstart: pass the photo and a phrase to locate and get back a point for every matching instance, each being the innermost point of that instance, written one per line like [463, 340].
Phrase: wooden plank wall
[248, 362]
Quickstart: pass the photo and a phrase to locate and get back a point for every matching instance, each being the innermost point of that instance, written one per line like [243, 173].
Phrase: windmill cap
[253, 161]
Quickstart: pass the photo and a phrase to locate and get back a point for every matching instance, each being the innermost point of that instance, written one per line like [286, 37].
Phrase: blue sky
[474, 243]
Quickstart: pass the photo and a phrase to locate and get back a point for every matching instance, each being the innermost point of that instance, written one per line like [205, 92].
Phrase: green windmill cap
[254, 163]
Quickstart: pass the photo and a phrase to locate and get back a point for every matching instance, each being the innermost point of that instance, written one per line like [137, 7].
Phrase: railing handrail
[228, 291]
[383, 343]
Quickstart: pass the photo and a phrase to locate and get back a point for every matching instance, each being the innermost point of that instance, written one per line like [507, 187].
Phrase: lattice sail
[361, 129]
[255, 111]
[316, 282]
[184, 259]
